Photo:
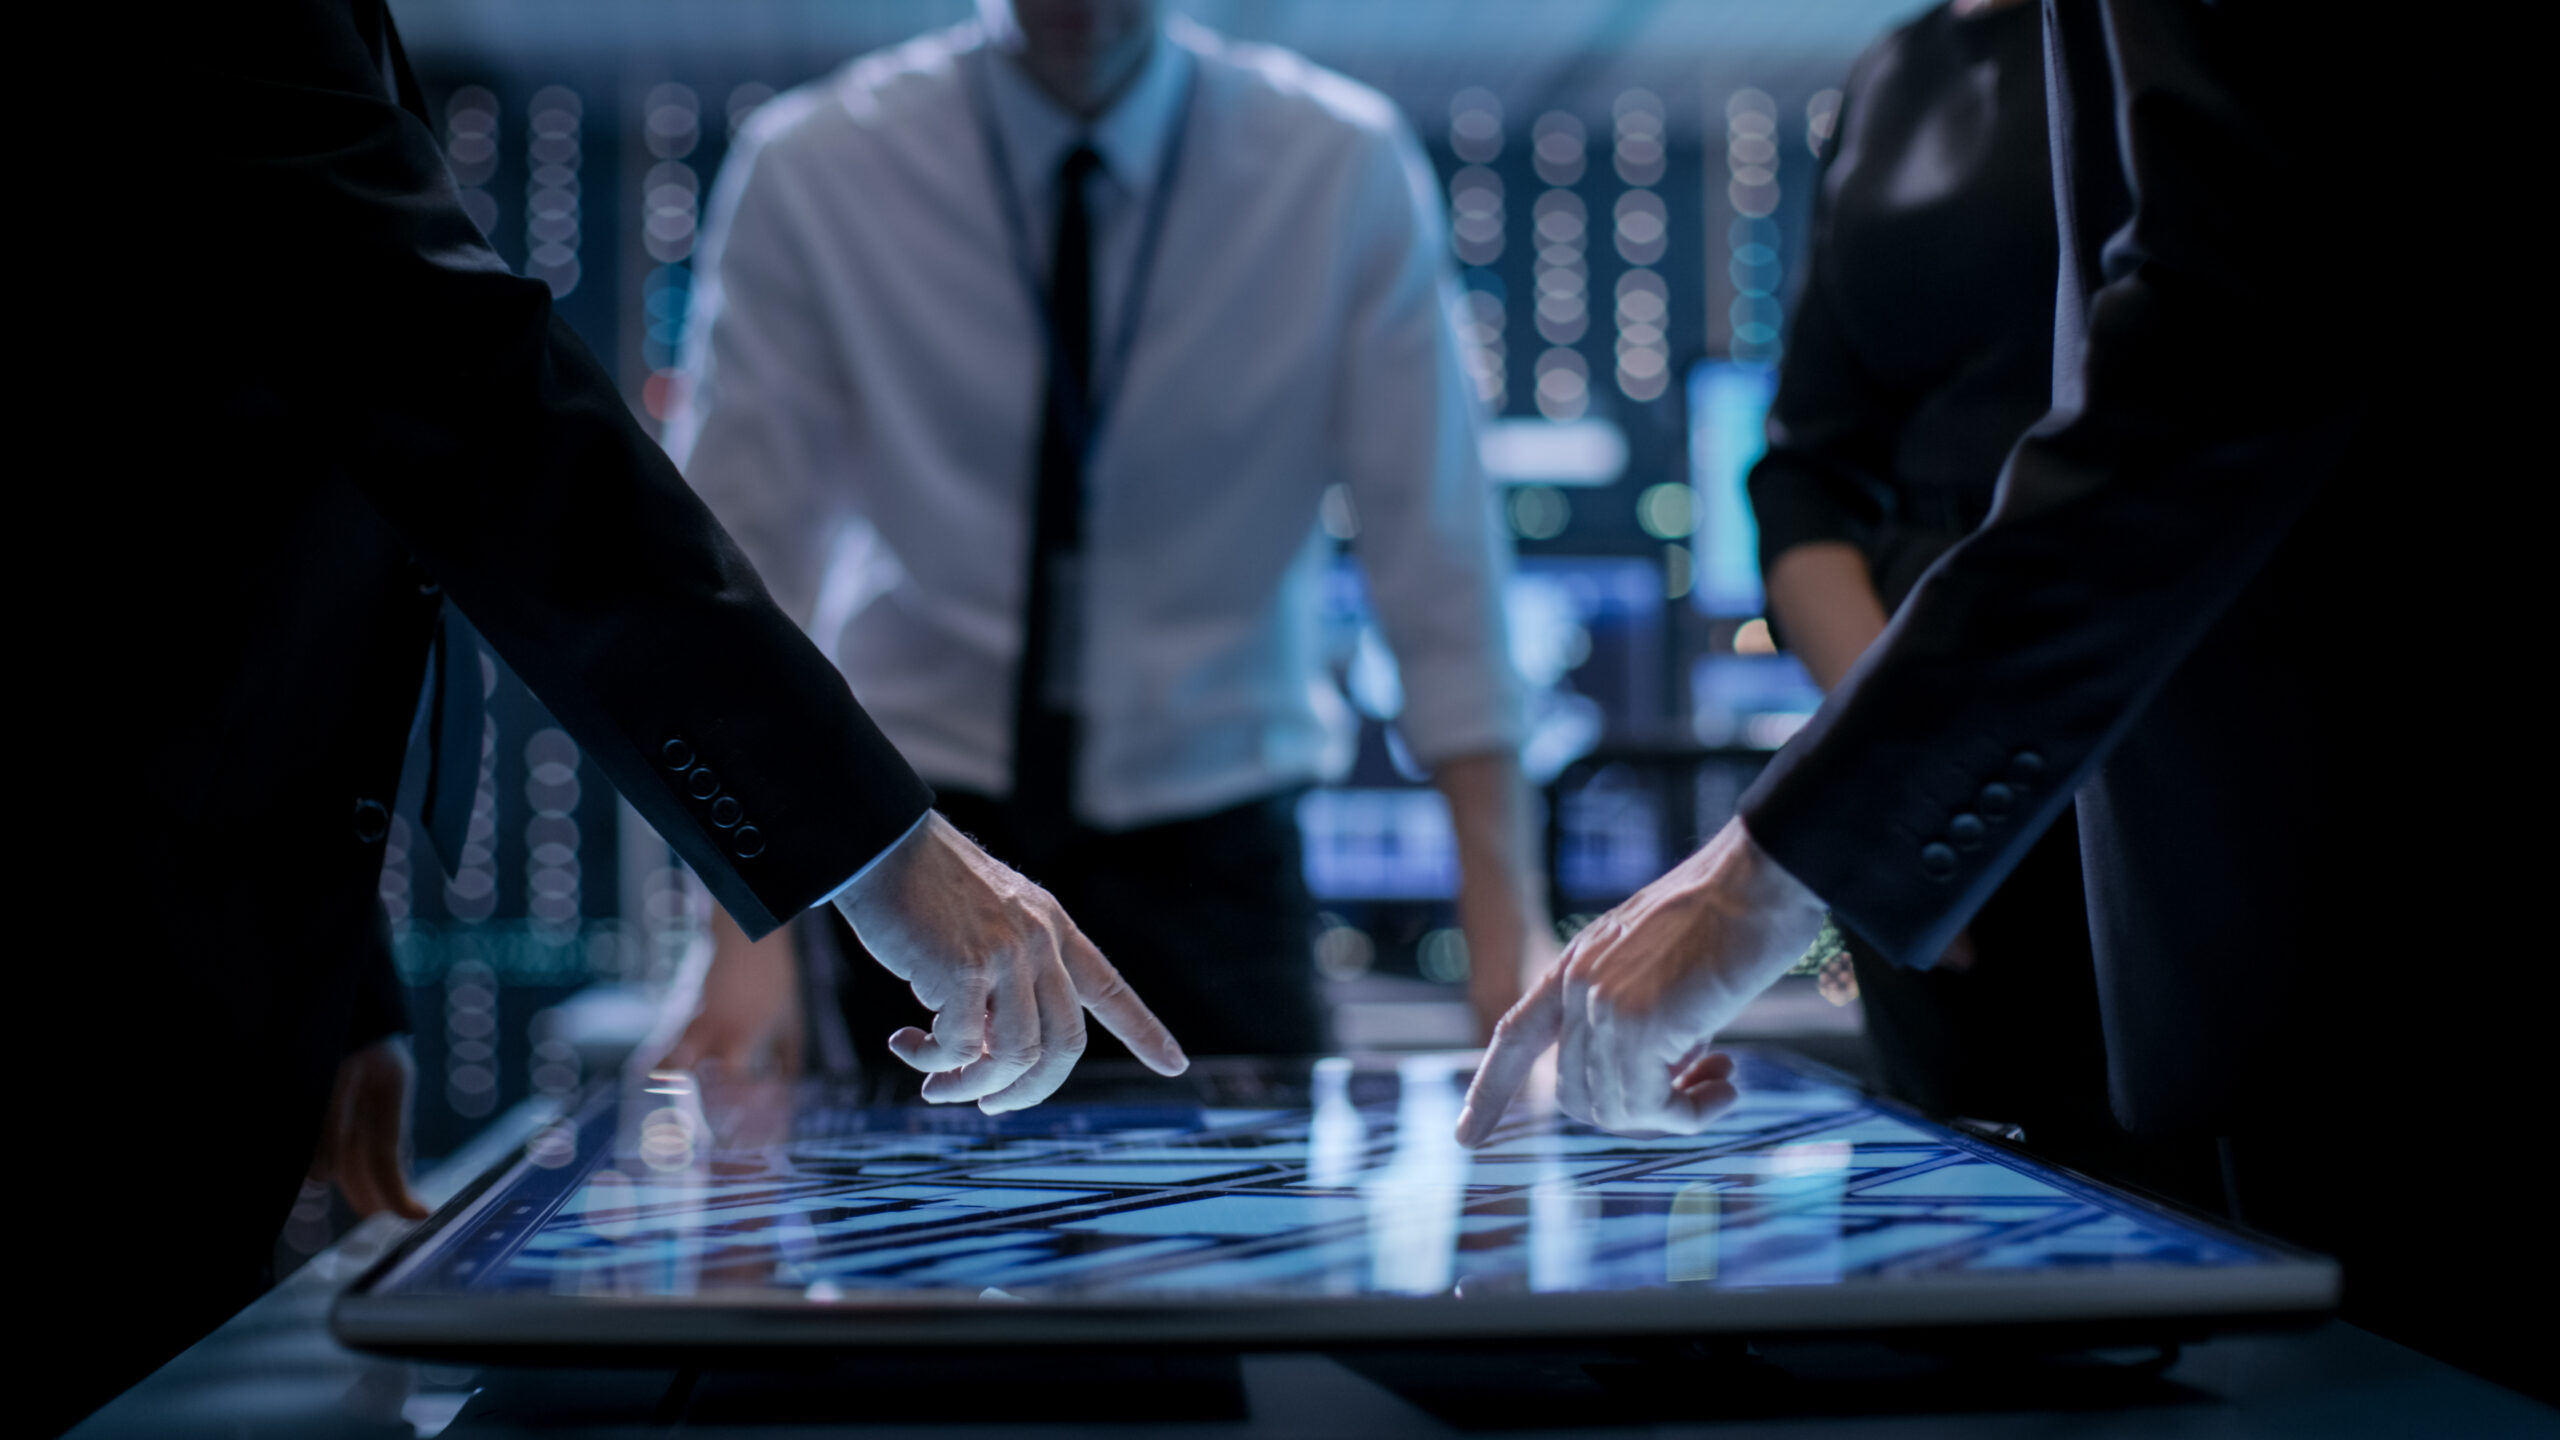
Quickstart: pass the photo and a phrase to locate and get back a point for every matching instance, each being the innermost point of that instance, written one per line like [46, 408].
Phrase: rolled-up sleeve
[1830, 440]
[765, 401]
[1434, 553]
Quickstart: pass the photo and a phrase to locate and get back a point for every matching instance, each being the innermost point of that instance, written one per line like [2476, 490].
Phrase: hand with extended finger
[1006, 973]
[1642, 992]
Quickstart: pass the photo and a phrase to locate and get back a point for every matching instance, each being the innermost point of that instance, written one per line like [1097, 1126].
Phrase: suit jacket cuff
[1904, 834]
[873, 863]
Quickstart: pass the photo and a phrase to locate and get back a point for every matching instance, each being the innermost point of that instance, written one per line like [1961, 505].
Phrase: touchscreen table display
[1306, 1216]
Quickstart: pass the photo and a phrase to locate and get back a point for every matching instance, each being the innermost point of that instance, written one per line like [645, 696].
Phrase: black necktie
[1045, 729]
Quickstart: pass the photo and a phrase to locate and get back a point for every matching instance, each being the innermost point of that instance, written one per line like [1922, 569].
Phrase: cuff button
[726, 811]
[1966, 830]
[748, 842]
[1937, 860]
[372, 821]
[677, 754]
[1996, 799]
[703, 782]
[2025, 767]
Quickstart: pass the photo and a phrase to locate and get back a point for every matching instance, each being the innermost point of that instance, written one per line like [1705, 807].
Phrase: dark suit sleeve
[1831, 424]
[379, 1007]
[500, 451]
[2199, 416]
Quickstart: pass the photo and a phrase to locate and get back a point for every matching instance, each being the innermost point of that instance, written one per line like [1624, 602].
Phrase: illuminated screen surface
[1362, 1192]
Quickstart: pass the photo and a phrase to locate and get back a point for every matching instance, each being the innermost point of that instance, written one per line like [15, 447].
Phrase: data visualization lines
[1365, 1191]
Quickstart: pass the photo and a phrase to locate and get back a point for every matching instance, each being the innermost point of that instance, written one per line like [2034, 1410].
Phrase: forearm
[1489, 813]
[747, 1011]
[1502, 902]
[728, 938]
[1824, 599]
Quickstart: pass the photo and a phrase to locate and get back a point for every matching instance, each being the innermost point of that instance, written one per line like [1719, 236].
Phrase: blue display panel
[1359, 1191]
[1755, 702]
[1379, 843]
[1587, 637]
[1728, 420]
[1611, 839]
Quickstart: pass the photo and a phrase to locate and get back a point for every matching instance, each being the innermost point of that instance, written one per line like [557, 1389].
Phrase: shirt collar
[1130, 136]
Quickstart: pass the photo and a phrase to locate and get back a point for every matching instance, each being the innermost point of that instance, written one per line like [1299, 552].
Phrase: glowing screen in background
[1586, 638]
[1728, 413]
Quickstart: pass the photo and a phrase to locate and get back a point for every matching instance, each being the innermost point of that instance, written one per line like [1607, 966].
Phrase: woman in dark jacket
[1922, 347]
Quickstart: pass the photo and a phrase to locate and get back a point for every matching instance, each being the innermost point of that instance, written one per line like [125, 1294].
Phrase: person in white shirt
[1020, 359]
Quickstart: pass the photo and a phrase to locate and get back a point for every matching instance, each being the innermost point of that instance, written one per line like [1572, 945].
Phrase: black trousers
[1208, 918]
[2017, 1038]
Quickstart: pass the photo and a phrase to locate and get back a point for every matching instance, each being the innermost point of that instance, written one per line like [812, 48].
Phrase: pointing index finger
[1518, 1041]
[1100, 989]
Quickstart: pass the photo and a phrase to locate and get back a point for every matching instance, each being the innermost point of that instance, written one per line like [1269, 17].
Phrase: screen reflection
[1336, 1179]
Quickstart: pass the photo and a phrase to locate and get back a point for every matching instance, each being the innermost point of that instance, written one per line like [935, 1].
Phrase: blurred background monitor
[1587, 638]
[1728, 420]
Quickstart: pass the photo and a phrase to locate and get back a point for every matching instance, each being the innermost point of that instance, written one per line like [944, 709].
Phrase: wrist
[1748, 909]
[888, 875]
[1769, 886]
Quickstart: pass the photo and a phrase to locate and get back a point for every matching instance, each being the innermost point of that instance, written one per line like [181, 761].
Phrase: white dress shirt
[865, 368]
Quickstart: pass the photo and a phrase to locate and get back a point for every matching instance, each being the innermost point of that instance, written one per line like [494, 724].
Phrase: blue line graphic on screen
[1363, 1191]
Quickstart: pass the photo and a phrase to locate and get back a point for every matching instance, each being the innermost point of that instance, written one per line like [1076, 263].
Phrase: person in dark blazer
[374, 418]
[2183, 610]
[1920, 350]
